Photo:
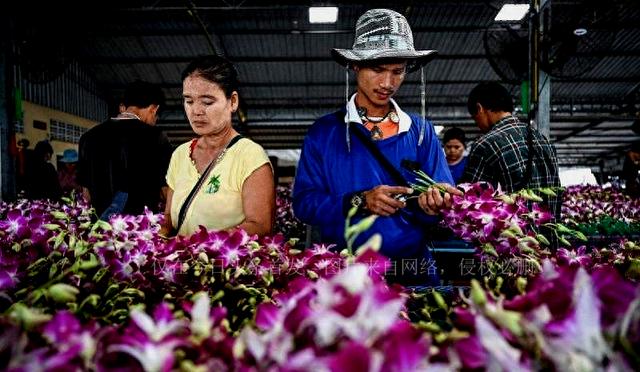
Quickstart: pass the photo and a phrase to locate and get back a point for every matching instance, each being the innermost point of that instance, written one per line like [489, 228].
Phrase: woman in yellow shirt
[238, 190]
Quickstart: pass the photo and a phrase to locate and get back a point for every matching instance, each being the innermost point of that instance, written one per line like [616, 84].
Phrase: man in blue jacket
[337, 171]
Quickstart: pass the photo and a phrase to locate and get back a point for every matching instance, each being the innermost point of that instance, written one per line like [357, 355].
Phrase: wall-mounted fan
[507, 49]
[576, 35]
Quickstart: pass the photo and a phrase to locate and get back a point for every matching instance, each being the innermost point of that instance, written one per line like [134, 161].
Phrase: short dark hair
[492, 96]
[42, 148]
[215, 69]
[142, 94]
[454, 133]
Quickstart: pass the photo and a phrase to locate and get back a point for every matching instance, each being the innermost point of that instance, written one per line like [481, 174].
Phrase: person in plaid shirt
[502, 156]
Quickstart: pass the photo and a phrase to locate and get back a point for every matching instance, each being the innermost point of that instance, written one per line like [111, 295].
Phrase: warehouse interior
[65, 67]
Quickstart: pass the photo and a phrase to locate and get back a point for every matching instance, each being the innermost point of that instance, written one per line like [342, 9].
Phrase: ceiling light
[323, 14]
[512, 12]
[580, 31]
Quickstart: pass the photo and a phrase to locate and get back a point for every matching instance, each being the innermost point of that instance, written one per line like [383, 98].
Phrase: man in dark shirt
[508, 154]
[123, 161]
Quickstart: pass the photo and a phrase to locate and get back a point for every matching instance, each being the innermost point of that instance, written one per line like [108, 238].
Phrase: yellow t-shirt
[218, 203]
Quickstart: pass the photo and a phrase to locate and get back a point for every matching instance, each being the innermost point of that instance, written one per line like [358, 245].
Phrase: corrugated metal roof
[288, 76]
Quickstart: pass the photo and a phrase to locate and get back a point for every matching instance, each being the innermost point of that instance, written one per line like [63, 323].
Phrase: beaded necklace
[375, 132]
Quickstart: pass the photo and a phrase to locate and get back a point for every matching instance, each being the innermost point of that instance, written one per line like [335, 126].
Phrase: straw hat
[383, 34]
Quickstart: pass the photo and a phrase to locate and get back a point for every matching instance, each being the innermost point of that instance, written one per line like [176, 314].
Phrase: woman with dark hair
[454, 141]
[41, 176]
[219, 180]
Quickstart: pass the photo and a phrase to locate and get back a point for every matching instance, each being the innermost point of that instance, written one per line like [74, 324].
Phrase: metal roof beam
[266, 59]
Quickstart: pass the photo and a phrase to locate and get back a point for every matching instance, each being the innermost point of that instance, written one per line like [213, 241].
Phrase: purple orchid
[573, 258]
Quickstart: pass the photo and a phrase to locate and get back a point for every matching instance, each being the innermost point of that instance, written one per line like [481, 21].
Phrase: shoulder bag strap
[386, 164]
[379, 156]
[198, 185]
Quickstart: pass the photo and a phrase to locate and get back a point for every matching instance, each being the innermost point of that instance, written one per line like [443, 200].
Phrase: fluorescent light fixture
[512, 12]
[323, 14]
[580, 31]
[438, 129]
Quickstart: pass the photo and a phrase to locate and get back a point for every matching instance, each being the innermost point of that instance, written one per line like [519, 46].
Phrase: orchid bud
[374, 243]
[440, 300]
[202, 256]
[521, 284]
[92, 301]
[63, 293]
[59, 215]
[533, 196]
[102, 224]
[499, 282]
[535, 264]
[530, 239]
[507, 199]
[542, 239]
[133, 292]
[312, 274]
[564, 241]
[477, 293]
[510, 320]
[29, 318]
[365, 223]
[548, 191]
[488, 248]
[509, 234]
[580, 236]
[90, 263]
[563, 229]
[516, 229]
[187, 365]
